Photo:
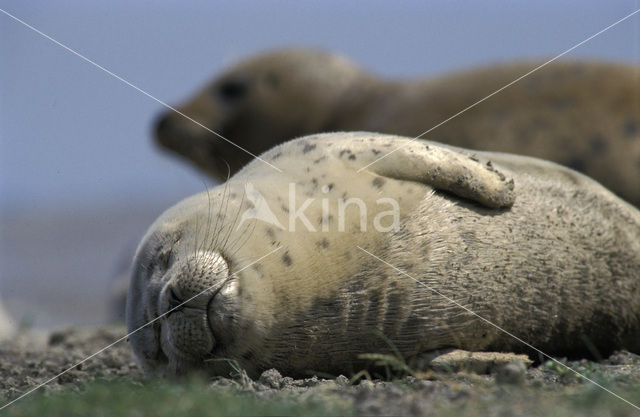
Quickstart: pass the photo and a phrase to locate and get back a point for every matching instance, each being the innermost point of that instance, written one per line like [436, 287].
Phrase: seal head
[253, 101]
[184, 290]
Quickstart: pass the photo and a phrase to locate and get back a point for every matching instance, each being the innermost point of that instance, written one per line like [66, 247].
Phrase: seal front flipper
[443, 168]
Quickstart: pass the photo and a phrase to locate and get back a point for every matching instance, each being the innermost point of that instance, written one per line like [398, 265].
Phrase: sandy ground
[30, 359]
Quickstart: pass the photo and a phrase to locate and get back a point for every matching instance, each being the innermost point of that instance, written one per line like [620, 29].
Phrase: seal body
[283, 269]
[584, 115]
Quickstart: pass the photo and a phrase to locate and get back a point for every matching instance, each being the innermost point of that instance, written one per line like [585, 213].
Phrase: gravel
[30, 359]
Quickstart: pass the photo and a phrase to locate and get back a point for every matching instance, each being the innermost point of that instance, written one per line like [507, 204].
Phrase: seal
[304, 270]
[581, 114]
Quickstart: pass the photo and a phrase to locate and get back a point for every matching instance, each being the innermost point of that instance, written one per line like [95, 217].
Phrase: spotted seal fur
[539, 250]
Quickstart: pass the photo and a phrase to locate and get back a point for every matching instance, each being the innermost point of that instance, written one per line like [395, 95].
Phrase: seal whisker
[247, 235]
[232, 247]
[235, 219]
[222, 209]
[198, 249]
[221, 215]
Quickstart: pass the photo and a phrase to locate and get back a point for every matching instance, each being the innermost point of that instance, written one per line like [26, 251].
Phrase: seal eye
[165, 258]
[231, 90]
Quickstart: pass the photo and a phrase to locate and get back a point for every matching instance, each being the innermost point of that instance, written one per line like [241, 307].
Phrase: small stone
[271, 378]
[287, 381]
[310, 382]
[366, 385]
[342, 380]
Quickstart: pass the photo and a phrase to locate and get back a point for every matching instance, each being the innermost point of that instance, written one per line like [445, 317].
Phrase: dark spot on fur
[378, 182]
[317, 161]
[272, 79]
[271, 233]
[469, 237]
[308, 147]
[325, 220]
[330, 186]
[375, 303]
[324, 243]
[276, 156]
[395, 300]
[562, 103]
[598, 144]
[284, 208]
[352, 157]
[286, 259]
[375, 151]
[344, 151]
[630, 128]
[576, 163]
[413, 324]
[250, 205]
[571, 177]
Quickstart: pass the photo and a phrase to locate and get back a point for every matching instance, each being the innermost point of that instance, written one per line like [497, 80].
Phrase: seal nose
[177, 297]
[192, 284]
[162, 123]
[162, 129]
[173, 302]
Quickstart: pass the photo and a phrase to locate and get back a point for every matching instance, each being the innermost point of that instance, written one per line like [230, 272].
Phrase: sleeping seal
[584, 115]
[306, 269]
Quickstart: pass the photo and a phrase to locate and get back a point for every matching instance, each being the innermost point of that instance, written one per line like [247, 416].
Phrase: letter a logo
[260, 209]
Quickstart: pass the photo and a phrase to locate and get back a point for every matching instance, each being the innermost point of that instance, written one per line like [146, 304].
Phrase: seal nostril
[174, 303]
[162, 124]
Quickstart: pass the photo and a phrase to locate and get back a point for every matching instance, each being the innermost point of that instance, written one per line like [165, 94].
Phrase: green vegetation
[451, 396]
[170, 399]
